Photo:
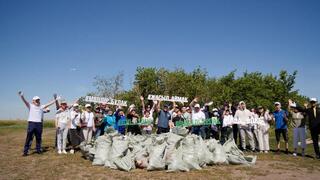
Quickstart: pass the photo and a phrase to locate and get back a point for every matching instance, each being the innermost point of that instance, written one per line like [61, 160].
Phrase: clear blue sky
[59, 46]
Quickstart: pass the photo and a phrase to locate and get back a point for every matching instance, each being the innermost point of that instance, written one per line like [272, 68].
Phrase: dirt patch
[52, 166]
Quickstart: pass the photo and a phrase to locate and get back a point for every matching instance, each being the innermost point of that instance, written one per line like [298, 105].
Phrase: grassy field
[52, 166]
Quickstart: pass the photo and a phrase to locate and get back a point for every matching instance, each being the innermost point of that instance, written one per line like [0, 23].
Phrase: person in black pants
[313, 114]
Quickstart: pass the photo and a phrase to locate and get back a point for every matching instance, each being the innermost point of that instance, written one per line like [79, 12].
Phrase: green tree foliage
[254, 88]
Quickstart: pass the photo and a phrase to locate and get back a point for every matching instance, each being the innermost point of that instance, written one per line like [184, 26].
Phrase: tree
[109, 87]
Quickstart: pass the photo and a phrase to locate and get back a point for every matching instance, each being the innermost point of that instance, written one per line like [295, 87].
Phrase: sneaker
[266, 152]
[59, 152]
[71, 151]
[64, 152]
[25, 154]
[294, 154]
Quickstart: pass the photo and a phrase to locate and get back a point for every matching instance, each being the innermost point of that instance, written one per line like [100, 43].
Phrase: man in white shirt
[243, 116]
[198, 118]
[35, 122]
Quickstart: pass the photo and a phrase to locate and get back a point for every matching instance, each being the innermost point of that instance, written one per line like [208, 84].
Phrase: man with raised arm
[35, 123]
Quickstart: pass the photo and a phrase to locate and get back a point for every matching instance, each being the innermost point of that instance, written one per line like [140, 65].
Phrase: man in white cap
[280, 118]
[63, 121]
[243, 116]
[198, 118]
[313, 114]
[35, 122]
[88, 125]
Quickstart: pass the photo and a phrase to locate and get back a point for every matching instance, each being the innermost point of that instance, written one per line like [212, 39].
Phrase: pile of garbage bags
[174, 151]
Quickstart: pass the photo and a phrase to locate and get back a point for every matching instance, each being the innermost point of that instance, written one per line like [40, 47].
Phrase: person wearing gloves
[63, 120]
[263, 129]
[35, 122]
[243, 116]
[280, 118]
[87, 123]
[76, 135]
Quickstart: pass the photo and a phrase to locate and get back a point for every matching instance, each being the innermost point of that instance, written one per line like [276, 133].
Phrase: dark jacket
[314, 122]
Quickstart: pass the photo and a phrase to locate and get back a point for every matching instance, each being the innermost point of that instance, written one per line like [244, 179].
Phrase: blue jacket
[110, 121]
[120, 120]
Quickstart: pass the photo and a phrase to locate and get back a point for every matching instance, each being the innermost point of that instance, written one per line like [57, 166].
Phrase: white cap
[313, 100]
[277, 103]
[75, 105]
[294, 105]
[36, 98]
[132, 106]
[214, 109]
[87, 105]
[197, 106]
[242, 102]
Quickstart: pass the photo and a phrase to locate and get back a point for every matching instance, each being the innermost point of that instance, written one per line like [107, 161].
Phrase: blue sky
[59, 46]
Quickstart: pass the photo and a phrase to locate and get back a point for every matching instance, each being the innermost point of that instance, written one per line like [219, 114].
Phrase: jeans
[34, 128]
[299, 134]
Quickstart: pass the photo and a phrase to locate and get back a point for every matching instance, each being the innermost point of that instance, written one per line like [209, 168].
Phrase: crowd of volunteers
[249, 128]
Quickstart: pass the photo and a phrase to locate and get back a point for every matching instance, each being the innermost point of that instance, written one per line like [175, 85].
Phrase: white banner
[105, 100]
[167, 98]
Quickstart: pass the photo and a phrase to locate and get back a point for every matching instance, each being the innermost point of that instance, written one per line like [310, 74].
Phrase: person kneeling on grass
[63, 121]
[281, 120]
[35, 122]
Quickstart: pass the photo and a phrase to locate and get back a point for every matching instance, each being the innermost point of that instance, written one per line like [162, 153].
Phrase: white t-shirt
[88, 118]
[198, 117]
[243, 117]
[63, 117]
[75, 119]
[35, 113]
[227, 121]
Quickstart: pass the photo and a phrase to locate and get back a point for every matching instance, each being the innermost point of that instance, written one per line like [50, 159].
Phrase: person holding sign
[197, 119]
[35, 122]
[243, 116]
[164, 117]
[227, 126]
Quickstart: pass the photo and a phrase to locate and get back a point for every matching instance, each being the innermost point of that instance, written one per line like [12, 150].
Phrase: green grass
[53, 166]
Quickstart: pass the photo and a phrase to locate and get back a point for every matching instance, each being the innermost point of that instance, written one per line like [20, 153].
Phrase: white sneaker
[294, 154]
[71, 151]
[59, 152]
[64, 152]
[266, 152]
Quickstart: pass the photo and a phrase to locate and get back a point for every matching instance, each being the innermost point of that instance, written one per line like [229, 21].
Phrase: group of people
[231, 121]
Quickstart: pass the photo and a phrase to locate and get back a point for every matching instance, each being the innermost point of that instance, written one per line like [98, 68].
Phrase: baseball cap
[75, 105]
[294, 105]
[277, 103]
[313, 100]
[242, 102]
[214, 109]
[63, 101]
[88, 105]
[36, 98]
[197, 106]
